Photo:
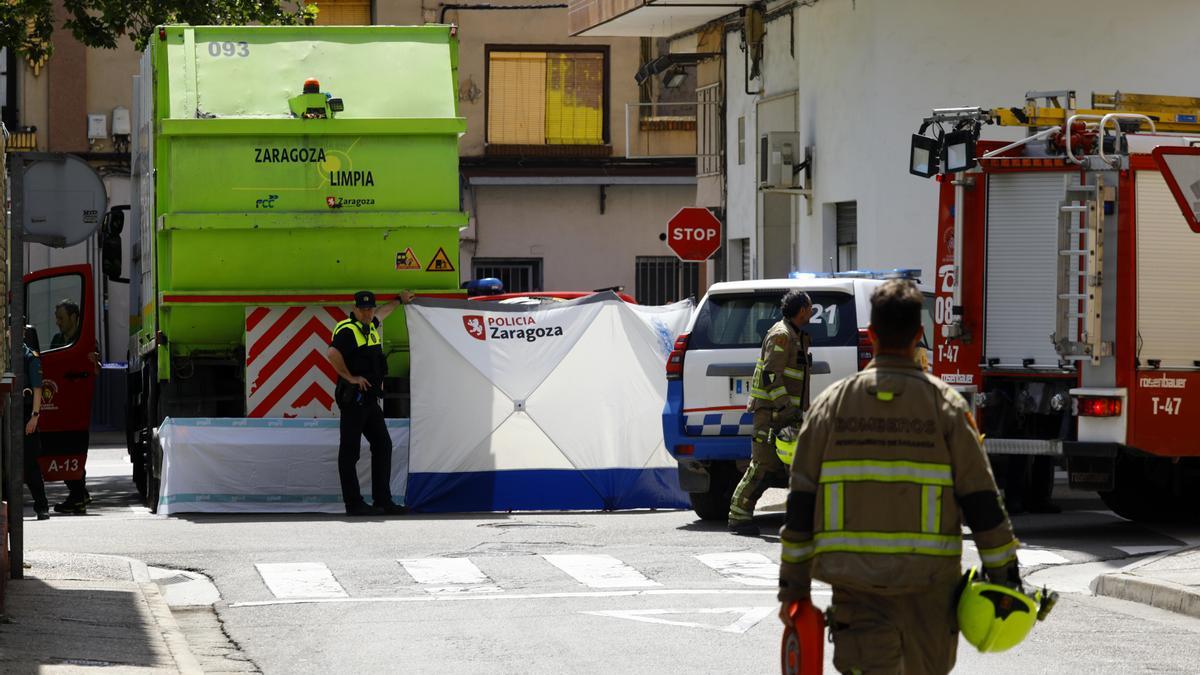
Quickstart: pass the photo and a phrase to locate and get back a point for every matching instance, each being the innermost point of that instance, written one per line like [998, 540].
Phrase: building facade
[569, 181]
[845, 83]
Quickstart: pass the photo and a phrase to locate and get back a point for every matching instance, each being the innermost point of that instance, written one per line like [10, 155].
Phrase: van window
[739, 320]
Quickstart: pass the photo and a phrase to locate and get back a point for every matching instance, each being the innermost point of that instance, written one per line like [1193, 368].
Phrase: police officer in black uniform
[356, 353]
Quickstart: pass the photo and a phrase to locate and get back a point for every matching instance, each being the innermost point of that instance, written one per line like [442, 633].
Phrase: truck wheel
[152, 494]
[1136, 495]
[139, 476]
[714, 504]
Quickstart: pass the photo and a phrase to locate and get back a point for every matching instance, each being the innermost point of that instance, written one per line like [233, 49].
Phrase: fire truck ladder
[1080, 261]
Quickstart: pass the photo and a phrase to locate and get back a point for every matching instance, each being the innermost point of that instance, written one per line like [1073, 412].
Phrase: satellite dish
[64, 201]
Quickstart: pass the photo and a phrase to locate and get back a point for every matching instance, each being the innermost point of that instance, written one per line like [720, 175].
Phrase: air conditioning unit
[779, 153]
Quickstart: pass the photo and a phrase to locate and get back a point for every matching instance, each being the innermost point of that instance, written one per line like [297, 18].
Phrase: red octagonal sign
[694, 234]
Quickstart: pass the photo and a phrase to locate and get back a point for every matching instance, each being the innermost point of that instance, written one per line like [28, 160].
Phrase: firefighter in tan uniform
[887, 460]
[778, 398]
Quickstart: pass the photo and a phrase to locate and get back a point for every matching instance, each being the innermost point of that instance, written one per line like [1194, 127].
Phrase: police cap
[364, 299]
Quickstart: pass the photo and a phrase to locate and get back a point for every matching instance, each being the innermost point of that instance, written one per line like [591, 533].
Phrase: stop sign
[694, 234]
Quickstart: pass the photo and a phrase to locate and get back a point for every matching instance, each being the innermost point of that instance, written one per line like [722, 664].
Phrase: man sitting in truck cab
[66, 317]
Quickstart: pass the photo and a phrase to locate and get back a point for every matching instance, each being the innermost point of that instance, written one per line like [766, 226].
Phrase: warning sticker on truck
[407, 260]
[440, 263]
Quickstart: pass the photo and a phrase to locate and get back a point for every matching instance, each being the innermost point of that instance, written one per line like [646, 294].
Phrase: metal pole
[956, 327]
[16, 355]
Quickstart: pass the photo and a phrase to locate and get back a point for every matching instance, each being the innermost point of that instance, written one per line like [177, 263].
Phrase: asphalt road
[635, 592]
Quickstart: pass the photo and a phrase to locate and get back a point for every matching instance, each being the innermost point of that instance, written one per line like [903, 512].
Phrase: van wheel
[714, 503]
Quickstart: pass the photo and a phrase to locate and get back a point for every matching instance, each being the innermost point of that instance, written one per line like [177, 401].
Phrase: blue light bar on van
[898, 273]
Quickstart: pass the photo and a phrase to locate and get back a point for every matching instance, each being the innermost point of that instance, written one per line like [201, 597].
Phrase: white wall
[868, 71]
[581, 249]
[741, 199]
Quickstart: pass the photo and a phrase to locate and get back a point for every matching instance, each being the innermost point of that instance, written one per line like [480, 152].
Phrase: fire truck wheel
[1137, 495]
[714, 504]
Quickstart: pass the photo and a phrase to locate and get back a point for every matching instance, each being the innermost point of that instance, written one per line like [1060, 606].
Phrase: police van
[705, 424]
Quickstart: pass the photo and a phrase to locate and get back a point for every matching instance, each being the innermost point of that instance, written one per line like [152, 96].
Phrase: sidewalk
[1168, 581]
[75, 613]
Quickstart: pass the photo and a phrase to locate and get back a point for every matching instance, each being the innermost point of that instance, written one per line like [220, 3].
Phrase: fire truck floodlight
[958, 151]
[923, 156]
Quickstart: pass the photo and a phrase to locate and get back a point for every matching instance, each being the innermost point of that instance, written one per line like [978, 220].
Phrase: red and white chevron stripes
[287, 374]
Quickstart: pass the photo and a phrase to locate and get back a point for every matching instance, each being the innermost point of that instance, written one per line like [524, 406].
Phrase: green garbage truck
[276, 171]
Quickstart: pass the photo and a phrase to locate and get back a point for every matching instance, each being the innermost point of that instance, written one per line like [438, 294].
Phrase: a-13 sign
[694, 234]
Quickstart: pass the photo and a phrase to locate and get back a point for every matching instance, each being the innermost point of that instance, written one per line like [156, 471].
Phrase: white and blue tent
[549, 407]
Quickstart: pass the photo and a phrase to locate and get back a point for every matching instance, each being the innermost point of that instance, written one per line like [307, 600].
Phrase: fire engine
[1064, 308]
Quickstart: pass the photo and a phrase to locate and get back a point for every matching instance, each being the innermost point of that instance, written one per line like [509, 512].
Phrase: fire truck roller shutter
[1022, 266]
[1167, 252]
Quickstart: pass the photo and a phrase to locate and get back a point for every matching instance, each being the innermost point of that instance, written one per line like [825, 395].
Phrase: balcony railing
[676, 130]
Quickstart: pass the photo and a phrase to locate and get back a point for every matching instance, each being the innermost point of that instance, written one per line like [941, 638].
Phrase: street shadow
[769, 524]
[108, 492]
[1086, 525]
[78, 624]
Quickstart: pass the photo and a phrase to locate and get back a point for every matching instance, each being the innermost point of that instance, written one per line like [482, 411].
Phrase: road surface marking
[744, 567]
[748, 617]
[816, 593]
[600, 571]
[289, 581]
[449, 575]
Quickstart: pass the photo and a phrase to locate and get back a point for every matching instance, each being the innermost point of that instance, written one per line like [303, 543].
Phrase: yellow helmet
[995, 618]
[785, 443]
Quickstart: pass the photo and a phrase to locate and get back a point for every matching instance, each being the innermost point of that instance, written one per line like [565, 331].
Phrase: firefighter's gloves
[794, 590]
[1009, 575]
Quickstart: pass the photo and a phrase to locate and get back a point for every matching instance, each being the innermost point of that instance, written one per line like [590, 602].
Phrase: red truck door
[59, 305]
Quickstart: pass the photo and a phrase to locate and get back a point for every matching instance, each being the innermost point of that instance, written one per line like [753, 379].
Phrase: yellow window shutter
[575, 98]
[517, 98]
[343, 12]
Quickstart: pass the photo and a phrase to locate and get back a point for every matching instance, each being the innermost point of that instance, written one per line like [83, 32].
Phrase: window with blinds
[545, 98]
[343, 12]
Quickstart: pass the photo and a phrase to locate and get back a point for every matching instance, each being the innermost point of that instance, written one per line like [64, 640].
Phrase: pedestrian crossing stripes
[752, 569]
[564, 574]
[300, 580]
[600, 571]
[436, 576]
[448, 575]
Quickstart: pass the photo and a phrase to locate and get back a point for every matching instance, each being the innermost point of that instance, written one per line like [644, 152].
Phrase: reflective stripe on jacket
[889, 455]
[371, 339]
[781, 375]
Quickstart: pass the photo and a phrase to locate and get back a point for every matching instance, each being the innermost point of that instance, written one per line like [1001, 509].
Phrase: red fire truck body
[1068, 309]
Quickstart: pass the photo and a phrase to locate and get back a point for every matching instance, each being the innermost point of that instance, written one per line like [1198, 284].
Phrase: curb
[168, 628]
[172, 635]
[1173, 597]
[1161, 594]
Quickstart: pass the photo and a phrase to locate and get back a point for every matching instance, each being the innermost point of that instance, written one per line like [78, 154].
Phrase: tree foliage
[26, 25]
